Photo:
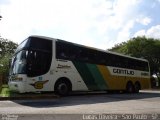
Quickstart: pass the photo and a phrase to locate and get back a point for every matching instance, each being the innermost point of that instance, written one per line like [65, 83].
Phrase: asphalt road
[146, 102]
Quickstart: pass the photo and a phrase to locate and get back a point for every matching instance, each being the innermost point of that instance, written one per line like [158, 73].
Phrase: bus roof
[97, 49]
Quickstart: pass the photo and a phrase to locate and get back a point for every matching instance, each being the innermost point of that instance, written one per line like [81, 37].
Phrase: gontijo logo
[39, 84]
[123, 71]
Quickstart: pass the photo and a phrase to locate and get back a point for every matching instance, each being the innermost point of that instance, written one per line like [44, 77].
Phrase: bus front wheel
[62, 87]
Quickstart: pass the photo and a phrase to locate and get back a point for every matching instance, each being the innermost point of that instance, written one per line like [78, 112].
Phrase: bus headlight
[17, 79]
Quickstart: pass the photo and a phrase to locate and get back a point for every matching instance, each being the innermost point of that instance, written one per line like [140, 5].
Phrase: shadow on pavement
[90, 98]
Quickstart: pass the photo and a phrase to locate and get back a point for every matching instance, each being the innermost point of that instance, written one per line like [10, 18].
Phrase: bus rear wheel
[129, 87]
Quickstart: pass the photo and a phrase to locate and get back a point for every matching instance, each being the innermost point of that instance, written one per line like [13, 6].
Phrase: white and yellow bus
[46, 64]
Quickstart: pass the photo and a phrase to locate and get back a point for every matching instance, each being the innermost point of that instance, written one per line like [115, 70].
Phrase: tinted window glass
[69, 51]
[40, 44]
[38, 63]
[39, 56]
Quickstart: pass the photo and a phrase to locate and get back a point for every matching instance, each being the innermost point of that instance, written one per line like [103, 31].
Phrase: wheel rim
[62, 89]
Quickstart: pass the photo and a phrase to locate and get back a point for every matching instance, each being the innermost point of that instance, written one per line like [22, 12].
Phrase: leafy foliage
[7, 48]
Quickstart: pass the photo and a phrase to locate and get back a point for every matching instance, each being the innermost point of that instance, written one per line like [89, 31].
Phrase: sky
[96, 23]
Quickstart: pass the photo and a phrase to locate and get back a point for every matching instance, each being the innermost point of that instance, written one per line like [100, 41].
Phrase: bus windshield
[33, 57]
[18, 64]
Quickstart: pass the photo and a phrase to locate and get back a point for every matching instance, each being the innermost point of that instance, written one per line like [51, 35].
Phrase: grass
[5, 92]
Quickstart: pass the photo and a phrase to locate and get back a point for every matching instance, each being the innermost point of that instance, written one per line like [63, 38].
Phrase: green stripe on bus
[86, 75]
[98, 78]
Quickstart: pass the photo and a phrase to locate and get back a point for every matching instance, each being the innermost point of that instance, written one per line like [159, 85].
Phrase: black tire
[129, 87]
[62, 88]
[137, 87]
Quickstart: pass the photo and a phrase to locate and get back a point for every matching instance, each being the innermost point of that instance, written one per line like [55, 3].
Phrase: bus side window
[101, 58]
[60, 51]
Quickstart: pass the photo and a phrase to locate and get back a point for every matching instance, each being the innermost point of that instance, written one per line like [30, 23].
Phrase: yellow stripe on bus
[116, 82]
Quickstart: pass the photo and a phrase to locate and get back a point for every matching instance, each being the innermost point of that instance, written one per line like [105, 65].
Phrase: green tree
[142, 47]
[7, 48]
[120, 48]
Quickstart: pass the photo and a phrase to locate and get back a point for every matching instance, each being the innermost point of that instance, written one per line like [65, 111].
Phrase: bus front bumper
[16, 86]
